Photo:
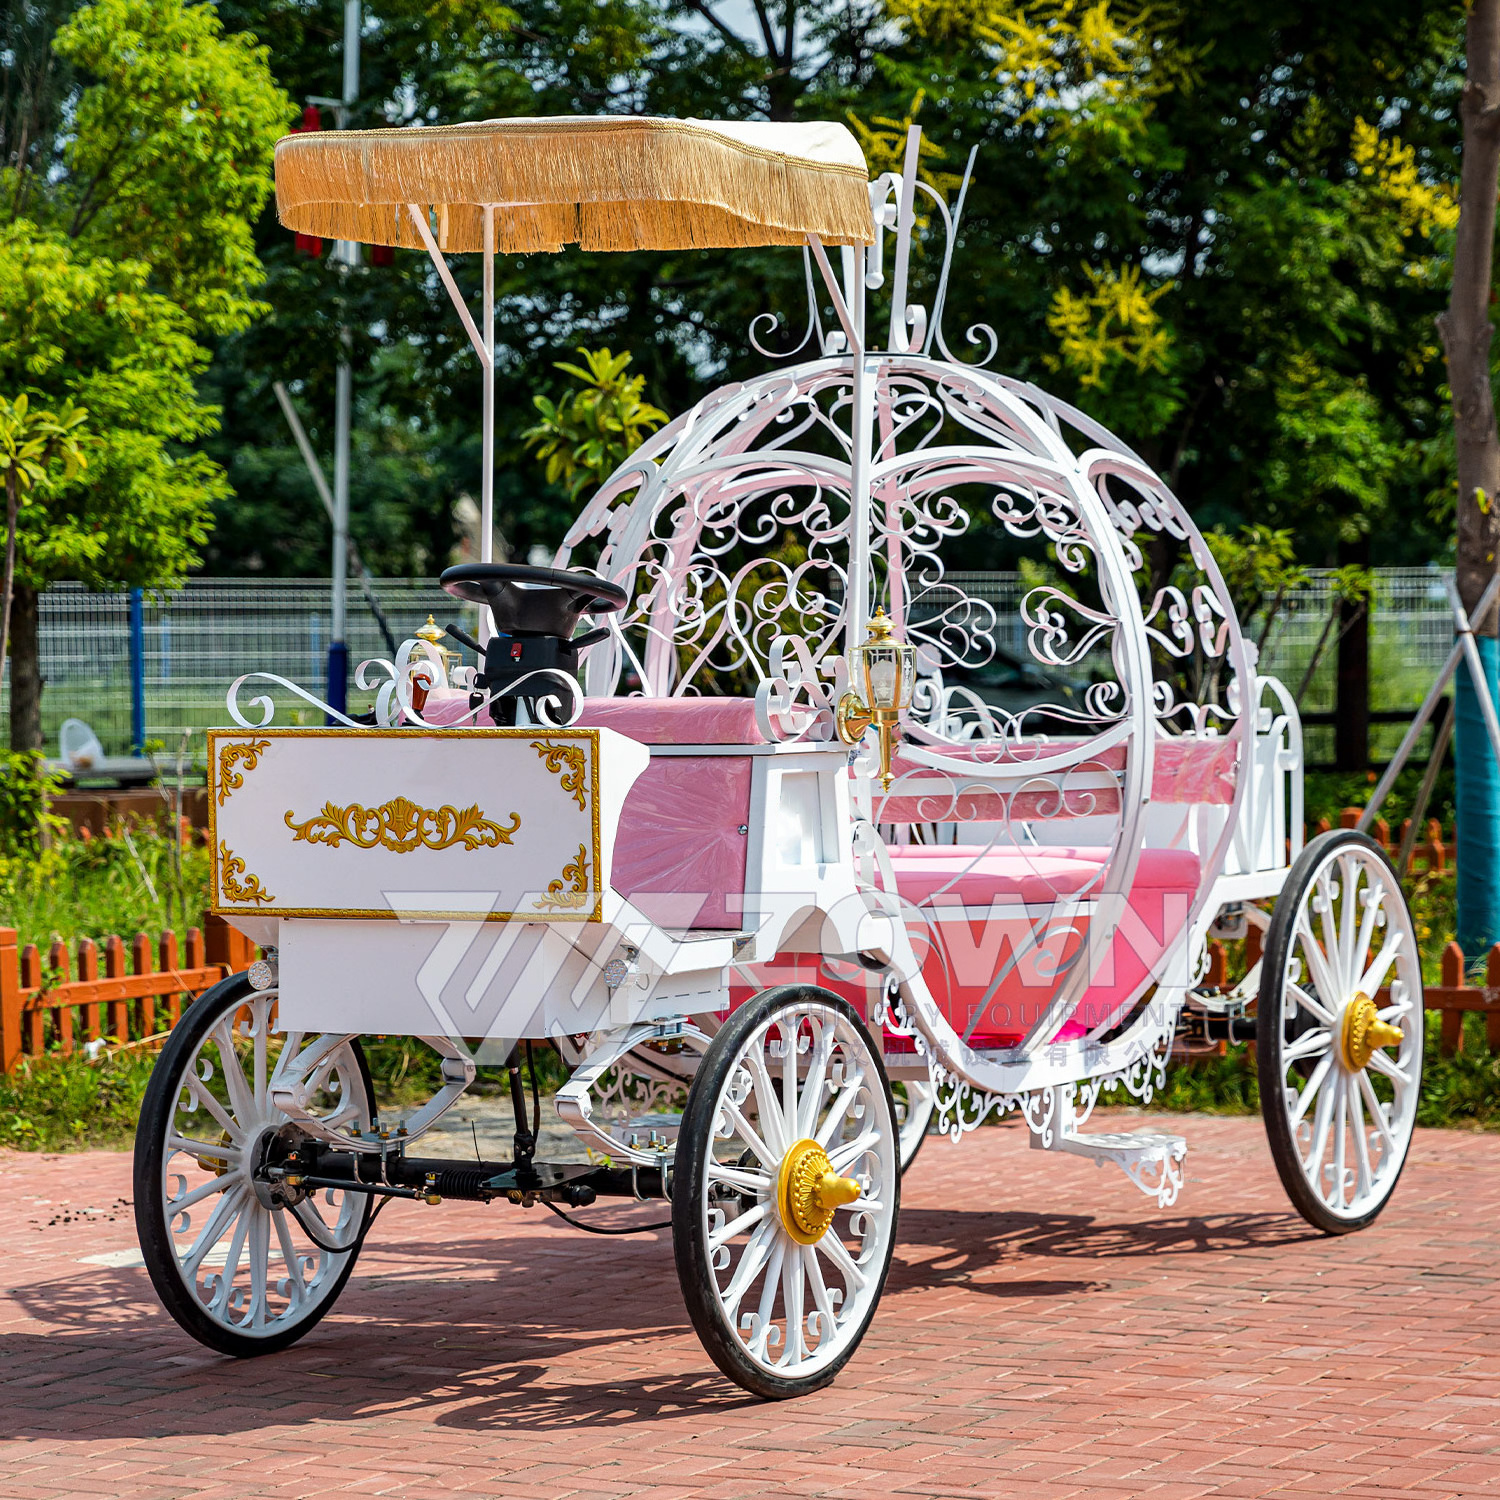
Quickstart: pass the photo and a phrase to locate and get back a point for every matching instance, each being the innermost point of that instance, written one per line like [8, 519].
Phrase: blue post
[137, 674]
[1478, 811]
[338, 676]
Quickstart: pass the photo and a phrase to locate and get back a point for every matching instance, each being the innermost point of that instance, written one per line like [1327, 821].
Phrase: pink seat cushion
[1002, 924]
[993, 930]
[676, 721]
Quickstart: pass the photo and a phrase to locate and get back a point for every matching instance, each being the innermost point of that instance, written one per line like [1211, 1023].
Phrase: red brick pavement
[1046, 1333]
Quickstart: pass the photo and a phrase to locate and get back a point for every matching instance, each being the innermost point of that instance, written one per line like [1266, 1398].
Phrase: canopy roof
[605, 183]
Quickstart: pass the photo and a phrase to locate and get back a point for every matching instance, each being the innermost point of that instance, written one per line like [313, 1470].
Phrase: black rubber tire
[693, 1142]
[152, 1227]
[1271, 1032]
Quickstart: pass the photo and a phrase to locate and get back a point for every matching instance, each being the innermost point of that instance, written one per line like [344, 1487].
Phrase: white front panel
[489, 823]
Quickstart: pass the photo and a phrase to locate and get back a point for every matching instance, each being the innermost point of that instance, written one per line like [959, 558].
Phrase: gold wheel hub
[1364, 1033]
[809, 1192]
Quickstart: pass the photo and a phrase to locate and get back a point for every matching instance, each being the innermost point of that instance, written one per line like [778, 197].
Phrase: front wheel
[243, 1270]
[785, 1191]
[1339, 1033]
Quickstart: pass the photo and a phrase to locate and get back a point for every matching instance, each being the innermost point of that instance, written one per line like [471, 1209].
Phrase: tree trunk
[25, 671]
[12, 508]
[1465, 326]
[1465, 331]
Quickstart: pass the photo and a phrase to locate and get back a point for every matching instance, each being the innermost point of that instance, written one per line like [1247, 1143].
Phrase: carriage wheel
[1339, 1039]
[239, 1268]
[913, 1116]
[785, 1191]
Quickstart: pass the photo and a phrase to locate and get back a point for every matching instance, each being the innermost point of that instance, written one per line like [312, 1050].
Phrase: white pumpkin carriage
[764, 853]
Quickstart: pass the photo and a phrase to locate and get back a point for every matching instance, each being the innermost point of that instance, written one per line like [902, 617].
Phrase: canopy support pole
[484, 347]
[487, 442]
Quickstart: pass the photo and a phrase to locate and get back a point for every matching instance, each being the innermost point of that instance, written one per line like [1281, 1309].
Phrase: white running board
[1152, 1162]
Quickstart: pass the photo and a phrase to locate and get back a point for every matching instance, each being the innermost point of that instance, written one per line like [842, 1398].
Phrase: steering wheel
[539, 601]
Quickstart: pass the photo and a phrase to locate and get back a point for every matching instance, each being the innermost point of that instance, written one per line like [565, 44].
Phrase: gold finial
[434, 635]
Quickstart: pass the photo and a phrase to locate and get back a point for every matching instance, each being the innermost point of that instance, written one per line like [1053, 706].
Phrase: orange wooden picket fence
[44, 1005]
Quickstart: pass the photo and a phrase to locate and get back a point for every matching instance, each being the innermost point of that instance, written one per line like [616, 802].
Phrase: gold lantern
[887, 668]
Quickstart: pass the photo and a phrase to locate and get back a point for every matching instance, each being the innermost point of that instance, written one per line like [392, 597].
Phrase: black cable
[536, 1103]
[597, 1229]
[358, 1244]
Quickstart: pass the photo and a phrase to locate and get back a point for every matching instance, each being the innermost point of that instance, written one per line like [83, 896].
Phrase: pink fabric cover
[1185, 770]
[448, 706]
[676, 721]
[680, 852]
[985, 923]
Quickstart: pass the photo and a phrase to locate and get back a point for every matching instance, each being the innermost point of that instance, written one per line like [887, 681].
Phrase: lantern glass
[882, 676]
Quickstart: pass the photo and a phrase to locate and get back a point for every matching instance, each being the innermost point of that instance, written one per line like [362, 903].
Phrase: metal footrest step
[1152, 1161]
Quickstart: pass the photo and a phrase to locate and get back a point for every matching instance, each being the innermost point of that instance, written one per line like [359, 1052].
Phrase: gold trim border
[221, 909]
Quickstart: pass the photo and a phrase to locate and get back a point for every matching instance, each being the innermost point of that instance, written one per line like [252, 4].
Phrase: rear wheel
[243, 1271]
[1339, 1034]
[915, 1101]
[785, 1191]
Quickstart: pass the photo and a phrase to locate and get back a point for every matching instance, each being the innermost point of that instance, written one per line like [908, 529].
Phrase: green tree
[586, 434]
[31, 441]
[129, 244]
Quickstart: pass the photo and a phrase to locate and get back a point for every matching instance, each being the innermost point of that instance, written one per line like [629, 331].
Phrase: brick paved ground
[1046, 1333]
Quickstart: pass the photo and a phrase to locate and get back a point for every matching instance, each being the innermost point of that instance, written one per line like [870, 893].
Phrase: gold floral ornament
[231, 868]
[402, 827]
[570, 761]
[239, 753]
[570, 891]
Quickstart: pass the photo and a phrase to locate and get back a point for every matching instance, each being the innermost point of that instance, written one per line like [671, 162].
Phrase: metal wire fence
[197, 639]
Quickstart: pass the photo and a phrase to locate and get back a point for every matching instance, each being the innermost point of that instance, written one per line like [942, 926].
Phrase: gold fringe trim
[606, 184]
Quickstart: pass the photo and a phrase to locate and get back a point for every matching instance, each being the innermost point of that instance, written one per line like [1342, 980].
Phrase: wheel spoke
[1322, 1116]
[840, 1110]
[199, 1193]
[837, 1252]
[1322, 975]
[1348, 915]
[220, 1303]
[1364, 1178]
[296, 1287]
[812, 1087]
[1376, 894]
[767, 1104]
[1341, 1131]
[225, 1211]
[204, 1100]
[750, 1217]
[790, 1030]
[768, 1292]
[850, 1152]
[739, 1177]
[1374, 976]
[1382, 1063]
[1309, 1044]
[1310, 1003]
[1309, 1093]
[1330, 929]
[755, 1254]
[199, 1149]
[235, 1083]
[1377, 1114]
[748, 1134]
[793, 1300]
[828, 1324]
[260, 1254]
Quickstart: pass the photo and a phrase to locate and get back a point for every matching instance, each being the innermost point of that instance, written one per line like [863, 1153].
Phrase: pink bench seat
[1016, 913]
